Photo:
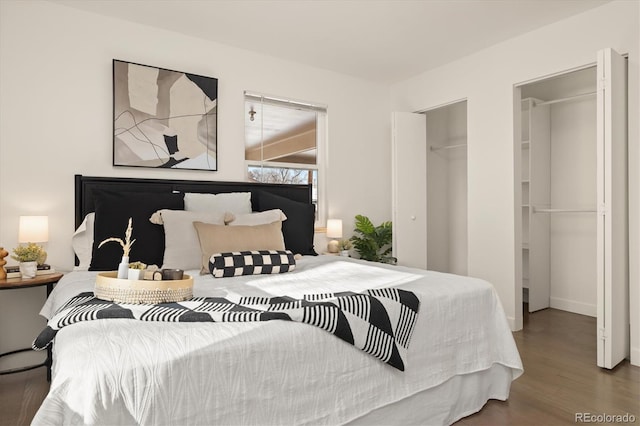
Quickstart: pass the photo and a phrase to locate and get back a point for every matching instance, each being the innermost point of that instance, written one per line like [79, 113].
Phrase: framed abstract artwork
[164, 118]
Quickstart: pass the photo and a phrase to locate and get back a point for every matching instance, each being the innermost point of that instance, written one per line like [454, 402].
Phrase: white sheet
[125, 372]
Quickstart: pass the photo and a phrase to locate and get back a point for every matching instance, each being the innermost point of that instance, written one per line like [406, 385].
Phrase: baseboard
[635, 357]
[573, 306]
[513, 325]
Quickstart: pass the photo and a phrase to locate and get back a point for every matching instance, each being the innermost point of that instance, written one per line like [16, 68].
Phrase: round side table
[18, 283]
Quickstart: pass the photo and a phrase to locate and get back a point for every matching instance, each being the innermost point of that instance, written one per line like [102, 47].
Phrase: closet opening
[558, 192]
[447, 188]
[429, 180]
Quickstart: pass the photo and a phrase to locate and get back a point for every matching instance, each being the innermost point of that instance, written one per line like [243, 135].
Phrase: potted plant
[372, 242]
[136, 271]
[29, 257]
[344, 246]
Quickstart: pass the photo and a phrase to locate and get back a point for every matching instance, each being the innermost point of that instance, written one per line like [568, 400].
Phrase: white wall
[56, 121]
[573, 185]
[487, 79]
[457, 202]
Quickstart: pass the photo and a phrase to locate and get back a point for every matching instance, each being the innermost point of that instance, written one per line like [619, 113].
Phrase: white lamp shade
[334, 228]
[33, 229]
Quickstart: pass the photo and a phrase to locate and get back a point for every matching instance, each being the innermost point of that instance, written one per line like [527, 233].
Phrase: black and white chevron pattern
[380, 321]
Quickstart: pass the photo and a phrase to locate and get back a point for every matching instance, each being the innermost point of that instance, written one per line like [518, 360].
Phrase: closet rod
[568, 98]
[539, 210]
[438, 148]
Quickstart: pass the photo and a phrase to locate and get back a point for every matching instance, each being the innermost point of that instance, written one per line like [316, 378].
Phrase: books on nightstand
[14, 271]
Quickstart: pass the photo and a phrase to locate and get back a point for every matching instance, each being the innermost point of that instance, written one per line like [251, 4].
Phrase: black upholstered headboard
[85, 187]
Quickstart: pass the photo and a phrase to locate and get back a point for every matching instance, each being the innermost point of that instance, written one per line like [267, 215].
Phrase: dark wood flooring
[558, 350]
[561, 379]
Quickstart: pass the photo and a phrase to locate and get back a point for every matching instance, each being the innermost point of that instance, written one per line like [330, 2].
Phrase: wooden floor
[558, 350]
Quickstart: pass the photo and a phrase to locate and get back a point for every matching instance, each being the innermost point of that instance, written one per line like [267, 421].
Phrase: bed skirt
[458, 397]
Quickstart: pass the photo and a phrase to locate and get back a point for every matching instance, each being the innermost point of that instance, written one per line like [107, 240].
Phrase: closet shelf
[547, 210]
[438, 148]
[568, 98]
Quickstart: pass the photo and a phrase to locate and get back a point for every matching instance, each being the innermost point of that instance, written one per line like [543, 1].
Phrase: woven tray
[113, 289]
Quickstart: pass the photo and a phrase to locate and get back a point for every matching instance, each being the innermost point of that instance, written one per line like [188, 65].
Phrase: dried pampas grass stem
[126, 244]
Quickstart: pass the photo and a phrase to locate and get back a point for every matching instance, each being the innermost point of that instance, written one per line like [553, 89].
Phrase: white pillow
[181, 246]
[233, 202]
[82, 242]
[258, 218]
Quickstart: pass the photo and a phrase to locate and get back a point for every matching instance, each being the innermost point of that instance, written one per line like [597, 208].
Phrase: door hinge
[602, 210]
[602, 334]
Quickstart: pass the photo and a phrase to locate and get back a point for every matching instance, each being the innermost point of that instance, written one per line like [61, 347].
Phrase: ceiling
[380, 40]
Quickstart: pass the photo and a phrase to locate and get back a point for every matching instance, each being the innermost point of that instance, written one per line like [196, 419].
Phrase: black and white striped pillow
[252, 262]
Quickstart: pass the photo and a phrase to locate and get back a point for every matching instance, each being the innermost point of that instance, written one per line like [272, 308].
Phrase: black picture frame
[164, 118]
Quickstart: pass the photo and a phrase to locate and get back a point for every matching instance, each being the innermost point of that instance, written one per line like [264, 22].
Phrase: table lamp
[334, 231]
[33, 229]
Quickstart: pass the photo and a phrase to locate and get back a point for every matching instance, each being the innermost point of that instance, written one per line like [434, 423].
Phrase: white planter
[344, 253]
[135, 274]
[28, 269]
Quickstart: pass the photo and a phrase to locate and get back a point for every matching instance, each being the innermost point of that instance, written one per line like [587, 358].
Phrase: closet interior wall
[447, 188]
[572, 240]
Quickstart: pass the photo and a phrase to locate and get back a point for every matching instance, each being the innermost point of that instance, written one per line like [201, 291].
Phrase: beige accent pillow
[221, 239]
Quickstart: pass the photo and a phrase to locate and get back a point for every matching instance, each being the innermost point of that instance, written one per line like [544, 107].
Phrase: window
[285, 142]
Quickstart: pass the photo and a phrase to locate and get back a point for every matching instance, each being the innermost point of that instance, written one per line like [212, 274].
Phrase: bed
[120, 371]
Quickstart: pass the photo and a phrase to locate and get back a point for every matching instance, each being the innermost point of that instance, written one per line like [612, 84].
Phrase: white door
[612, 230]
[409, 181]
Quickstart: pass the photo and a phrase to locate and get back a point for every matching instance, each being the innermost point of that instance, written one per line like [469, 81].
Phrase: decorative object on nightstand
[334, 231]
[373, 242]
[123, 267]
[31, 230]
[345, 246]
[3, 254]
[34, 229]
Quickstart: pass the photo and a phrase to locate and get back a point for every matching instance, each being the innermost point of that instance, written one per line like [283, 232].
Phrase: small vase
[344, 253]
[123, 268]
[28, 269]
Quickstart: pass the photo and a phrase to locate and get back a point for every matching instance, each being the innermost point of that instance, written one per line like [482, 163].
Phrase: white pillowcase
[82, 242]
[258, 218]
[233, 202]
[182, 247]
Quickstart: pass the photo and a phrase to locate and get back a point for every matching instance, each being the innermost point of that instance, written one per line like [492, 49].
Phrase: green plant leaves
[373, 242]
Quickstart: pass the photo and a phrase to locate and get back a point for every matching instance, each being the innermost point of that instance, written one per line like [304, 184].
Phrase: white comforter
[130, 372]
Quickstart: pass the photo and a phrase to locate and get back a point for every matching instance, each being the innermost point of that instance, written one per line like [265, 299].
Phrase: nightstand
[18, 283]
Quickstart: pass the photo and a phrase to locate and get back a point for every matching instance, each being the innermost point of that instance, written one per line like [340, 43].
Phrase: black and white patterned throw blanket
[380, 321]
